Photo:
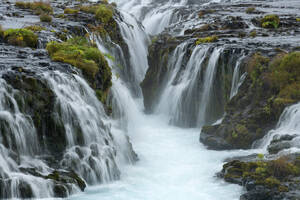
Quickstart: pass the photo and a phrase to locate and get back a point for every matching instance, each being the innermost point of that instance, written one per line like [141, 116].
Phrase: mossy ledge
[264, 179]
[271, 85]
[38, 7]
[19, 37]
[82, 54]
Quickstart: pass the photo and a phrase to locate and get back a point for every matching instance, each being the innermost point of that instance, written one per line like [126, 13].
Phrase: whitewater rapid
[172, 165]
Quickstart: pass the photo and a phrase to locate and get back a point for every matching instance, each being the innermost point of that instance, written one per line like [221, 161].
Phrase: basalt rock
[265, 179]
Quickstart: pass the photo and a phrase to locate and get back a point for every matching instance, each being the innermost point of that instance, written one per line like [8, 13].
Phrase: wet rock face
[159, 54]
[265, 179]
[280, 143]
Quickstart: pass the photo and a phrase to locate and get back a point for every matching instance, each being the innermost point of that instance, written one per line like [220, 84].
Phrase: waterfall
[18, 148]
[288, 124]
[93, 150]
[237, 78]
[209, 78]
[194, 90]
[137, 41]
[154, 15]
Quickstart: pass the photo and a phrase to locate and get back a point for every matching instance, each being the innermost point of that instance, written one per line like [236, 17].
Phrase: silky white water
[173, 165]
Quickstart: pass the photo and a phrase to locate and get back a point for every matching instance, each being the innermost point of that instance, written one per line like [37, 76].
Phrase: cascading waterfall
[90, 144]
[91, 151]
[18, 148]
[209, 78]
[288, 124]
[137, 41]
[237, 78]
[154, 15]
[196, 84]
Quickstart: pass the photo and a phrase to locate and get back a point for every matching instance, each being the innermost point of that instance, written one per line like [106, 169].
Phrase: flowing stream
[173, 164]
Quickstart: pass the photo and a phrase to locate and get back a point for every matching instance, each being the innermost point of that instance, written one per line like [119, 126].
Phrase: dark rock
[280, 143]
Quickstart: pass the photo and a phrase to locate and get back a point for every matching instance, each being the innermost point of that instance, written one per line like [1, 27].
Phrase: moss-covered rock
[270, 178]
[83, 55]
[209, 39]
[270, 21]
[45, 18]
[271, 85]
[20, 37]
[38, 7]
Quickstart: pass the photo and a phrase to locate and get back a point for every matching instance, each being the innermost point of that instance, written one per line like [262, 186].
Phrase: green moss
[89, 9]
[267, 173]
[250, 10]
[253, 33]
[35, 28]
[241, 129]
[209, 39]
[80, 53]
[20, 37]
[71, 11]
[38, 7]
[270, 21]
[45, 18]
[104, 14]
[102, 95]
[285, 76]
[1, 32]
[256, 65]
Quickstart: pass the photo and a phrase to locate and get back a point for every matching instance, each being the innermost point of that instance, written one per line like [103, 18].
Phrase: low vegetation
[35, 28]
[80, 53]
[270, 21]
[250, 10]
[71, 11]
[209, 39]
[37, 7]
[45, 18]
[270, 174]
[19, 37]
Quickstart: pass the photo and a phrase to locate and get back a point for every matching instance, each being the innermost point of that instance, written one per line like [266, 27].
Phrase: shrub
[285, 75]
[45, 18]
[104, 14]
[81, 54]
[209, 39]
[256, 65]
[20, 37]
[270, 21]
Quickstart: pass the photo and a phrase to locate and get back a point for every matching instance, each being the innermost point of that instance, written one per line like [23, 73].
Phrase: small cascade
[154, 15]
[288, 126]
[197, 84]
[137, 41]
[91, 150]
[18, 148]
[237, 78]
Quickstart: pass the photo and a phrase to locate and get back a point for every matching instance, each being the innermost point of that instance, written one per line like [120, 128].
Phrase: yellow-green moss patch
[270, 21]
[20, 37]
[45, 18]
[71, 11]
[81, 54]
[35, 28]
[209, 39]
[38, 7]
